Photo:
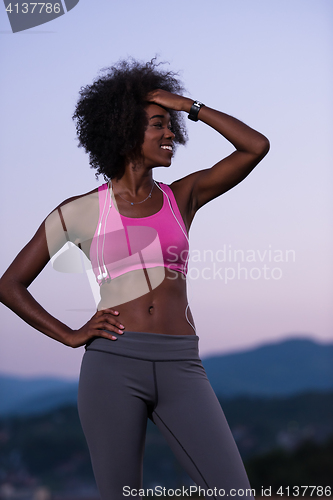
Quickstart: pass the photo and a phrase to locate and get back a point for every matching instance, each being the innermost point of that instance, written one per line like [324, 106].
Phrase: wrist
[68, 337]
[187, 104]
[194, 111]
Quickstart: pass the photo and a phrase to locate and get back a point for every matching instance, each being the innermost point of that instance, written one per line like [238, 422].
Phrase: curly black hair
[110, 114]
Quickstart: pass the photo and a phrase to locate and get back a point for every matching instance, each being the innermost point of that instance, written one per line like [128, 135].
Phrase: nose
[169, 134]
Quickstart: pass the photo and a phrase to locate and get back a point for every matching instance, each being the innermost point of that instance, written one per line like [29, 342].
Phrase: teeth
[167, 147]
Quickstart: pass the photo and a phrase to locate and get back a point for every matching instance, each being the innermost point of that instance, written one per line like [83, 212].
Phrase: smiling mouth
[168, 148]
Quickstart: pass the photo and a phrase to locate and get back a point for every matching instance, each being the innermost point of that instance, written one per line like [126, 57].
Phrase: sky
[260, 266]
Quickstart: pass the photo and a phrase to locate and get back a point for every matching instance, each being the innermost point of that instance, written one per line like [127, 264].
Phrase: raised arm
[202, 186]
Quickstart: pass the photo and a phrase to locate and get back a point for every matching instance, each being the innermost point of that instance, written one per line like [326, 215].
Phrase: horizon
[306, 338]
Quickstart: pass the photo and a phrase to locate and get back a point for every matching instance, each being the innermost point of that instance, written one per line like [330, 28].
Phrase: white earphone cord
[105, 274]
[100, 276]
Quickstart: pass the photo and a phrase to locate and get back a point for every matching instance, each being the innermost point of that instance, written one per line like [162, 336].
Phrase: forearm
[17, 298]
[243, 137]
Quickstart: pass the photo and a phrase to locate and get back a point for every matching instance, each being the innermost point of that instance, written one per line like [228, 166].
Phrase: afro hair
[110, 114]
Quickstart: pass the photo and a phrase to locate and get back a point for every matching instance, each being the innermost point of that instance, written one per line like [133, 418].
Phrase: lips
[167, 147]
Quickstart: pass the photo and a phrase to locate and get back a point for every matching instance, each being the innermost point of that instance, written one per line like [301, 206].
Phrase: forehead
[154, 110]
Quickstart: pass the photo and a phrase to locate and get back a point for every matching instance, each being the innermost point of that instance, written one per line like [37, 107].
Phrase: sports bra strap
[173, 205]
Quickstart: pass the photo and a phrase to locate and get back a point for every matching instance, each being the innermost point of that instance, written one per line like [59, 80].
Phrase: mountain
[289, 367]
[20, 395]
[284, 368]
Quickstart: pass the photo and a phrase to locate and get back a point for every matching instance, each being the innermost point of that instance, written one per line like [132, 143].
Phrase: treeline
[283, 441]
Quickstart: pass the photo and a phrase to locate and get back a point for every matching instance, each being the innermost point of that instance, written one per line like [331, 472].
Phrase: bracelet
[193, 114]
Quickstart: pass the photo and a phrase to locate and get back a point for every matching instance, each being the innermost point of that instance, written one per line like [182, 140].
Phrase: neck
[135, 181]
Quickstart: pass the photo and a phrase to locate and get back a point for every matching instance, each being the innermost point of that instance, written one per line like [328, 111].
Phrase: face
[157, 148]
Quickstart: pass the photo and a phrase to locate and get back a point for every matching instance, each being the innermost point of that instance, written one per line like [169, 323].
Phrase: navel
[151, 310]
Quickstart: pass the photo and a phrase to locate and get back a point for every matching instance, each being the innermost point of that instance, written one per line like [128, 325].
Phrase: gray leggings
[142, 375]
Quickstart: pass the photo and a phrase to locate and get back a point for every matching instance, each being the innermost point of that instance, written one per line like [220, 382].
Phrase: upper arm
[198, 188]
[73, 220]
[224, 175]
[32, 259]
[47, 241]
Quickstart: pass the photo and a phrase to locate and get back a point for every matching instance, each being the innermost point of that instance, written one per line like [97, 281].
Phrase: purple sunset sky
[267, 63]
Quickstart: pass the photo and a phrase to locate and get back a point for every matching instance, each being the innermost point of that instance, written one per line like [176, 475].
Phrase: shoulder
[78, 215]
[79, 200]
[79, 204]
[182, 191]
[182, 188]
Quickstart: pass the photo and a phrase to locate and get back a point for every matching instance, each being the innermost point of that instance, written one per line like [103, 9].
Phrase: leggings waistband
[149, 346]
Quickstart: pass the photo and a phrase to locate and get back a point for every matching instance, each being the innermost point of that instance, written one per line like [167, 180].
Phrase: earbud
[101, 274]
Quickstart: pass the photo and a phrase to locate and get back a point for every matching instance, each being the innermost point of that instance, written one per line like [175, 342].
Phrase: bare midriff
[159, 309]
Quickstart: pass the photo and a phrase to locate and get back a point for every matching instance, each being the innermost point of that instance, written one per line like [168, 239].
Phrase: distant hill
[289, 367]
[283, 368]
[19, 395]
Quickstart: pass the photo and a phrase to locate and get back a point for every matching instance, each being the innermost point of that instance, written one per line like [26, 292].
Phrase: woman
[141, 355]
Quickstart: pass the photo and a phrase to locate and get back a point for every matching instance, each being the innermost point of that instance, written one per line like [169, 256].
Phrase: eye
[158, 124]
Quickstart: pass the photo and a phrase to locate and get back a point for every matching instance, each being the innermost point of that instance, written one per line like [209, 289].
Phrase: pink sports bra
[122, 244]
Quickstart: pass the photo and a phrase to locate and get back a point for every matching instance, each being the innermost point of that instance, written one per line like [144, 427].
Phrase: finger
[156, 96]
[153, 93]
[109, 310]
[109, 324]
[107, 335]
[108, 321]
[103, 331]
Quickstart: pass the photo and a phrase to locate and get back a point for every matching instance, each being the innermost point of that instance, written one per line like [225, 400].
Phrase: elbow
[263, 147]
[267, 146]
[3, 291]
[7, 288]
[259, 147]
